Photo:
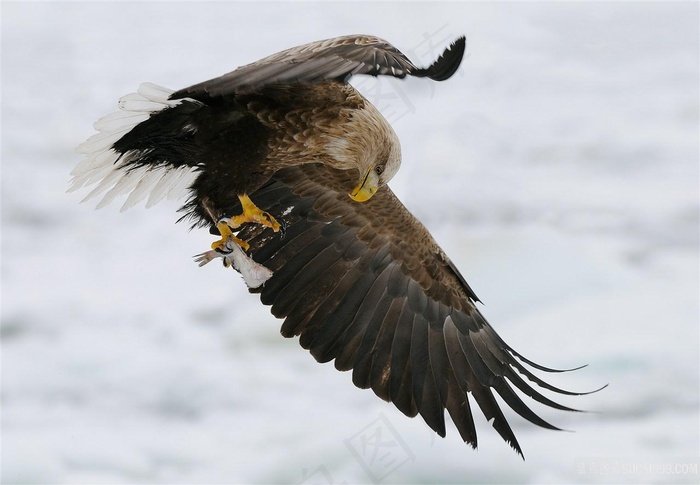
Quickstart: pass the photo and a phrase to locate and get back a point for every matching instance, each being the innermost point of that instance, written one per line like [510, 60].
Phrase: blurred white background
[561, 168]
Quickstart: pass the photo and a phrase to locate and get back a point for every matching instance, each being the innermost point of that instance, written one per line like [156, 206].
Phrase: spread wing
[367, 286]
[331, 59]
[148, 148]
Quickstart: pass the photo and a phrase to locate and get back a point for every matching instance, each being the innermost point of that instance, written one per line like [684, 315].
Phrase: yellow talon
[251, 213]
[221, 243]
[226, 234]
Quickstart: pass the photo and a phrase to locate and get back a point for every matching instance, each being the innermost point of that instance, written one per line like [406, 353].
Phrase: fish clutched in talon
[208, 256]
[232, 255]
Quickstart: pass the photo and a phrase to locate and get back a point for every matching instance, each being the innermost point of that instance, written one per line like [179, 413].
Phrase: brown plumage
[361, 283]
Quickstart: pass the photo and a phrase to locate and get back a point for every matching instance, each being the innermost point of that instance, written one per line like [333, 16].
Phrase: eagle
[288, 164]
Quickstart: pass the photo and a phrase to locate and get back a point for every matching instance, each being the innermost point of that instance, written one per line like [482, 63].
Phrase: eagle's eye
[379, 169]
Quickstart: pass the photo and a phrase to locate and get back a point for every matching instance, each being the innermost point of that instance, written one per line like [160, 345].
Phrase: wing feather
[368, 347]
[315, 277]
[366, 285]
[425, 391]
[343, 307]
[348, 345]
[401, 377]
[331, 59]
[460, 411]
[380, 367]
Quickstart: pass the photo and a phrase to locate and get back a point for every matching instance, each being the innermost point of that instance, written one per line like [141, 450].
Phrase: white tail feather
[119, 119]
[91, 171]
[185, 179]
[107, 168]
[156, 93]
[101, 141]
[136, 102]
[126, 183]
[162, 188]
[140, 192]
[110, 179]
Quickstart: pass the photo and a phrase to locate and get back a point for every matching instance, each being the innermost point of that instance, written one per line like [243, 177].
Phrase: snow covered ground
[561, 164]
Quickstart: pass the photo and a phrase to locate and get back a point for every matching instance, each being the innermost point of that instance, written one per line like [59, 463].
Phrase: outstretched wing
[149, 148]
[367, 286]
[337, 59]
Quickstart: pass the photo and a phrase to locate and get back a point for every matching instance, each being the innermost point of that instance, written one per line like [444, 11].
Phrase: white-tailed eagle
[288, 164]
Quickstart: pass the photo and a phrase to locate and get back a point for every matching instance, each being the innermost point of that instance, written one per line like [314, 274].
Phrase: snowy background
[562, 167]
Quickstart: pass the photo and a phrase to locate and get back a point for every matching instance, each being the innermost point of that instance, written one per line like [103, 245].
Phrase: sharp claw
[269, 221]
[223, 250]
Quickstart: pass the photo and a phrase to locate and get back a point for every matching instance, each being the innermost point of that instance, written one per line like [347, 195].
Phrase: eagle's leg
[251, 213]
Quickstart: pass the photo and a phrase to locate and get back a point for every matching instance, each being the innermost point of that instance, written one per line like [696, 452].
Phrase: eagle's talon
[252, 213]
[271, 222]
[223, 245]
[221, 249]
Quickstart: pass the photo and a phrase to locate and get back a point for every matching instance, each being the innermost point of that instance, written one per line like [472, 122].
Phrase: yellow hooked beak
[367, 187]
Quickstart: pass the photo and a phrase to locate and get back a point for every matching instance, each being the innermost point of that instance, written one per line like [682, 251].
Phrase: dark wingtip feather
[548, 369]
[541, 367]
[593, 391]
[445, 65]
